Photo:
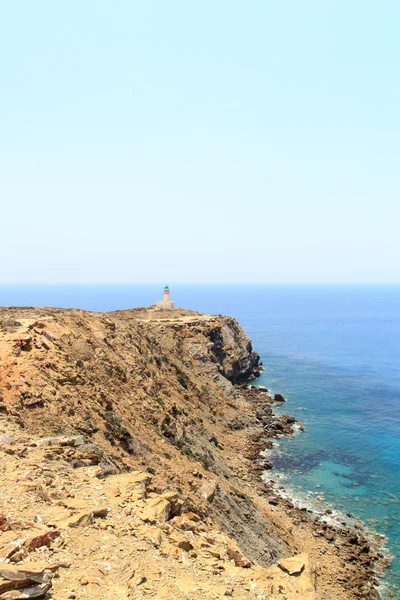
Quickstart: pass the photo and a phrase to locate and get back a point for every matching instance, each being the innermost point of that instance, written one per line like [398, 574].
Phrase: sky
[212, 141]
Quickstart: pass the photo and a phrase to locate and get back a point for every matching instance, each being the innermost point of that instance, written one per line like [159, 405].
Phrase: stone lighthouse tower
[166, 303]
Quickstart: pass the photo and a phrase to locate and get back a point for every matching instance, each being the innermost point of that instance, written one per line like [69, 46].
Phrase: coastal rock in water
[279, 398]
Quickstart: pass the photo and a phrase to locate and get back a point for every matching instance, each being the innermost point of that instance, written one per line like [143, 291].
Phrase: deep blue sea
[333, 351]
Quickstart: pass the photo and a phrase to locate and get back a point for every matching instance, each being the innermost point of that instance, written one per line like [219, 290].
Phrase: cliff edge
[129, 465]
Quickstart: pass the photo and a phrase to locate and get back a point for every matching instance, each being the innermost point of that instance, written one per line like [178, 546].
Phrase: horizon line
[215, 283]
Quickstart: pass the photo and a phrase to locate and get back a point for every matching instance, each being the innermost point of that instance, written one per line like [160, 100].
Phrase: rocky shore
[130, 467]
[360, 549]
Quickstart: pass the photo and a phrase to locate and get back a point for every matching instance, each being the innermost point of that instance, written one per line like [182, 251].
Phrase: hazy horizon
[173, 284]
[212, 143]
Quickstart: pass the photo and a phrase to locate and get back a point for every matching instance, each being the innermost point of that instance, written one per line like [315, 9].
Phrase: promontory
[130, 466]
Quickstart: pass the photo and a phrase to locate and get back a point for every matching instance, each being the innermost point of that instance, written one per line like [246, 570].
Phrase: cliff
[129, 464]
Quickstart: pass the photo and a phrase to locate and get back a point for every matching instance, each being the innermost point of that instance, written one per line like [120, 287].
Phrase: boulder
[83, 518]
[151, 534]
[176, 502]
[30, 580]
[13, 544]
[187, 521]
[31, 591]
[279, 398]
[208, 490]
[128, 486]
[156, 510]
[72, 440]
[6, 439]
[293, 565]
[295, 577]
[46, 344]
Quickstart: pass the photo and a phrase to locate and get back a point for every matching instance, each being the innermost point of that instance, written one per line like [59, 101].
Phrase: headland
[130, 466]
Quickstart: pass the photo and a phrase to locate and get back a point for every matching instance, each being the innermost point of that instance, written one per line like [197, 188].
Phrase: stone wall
[163, 305]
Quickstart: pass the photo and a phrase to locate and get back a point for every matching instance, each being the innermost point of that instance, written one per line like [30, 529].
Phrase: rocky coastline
[137, 434]
[360, 548]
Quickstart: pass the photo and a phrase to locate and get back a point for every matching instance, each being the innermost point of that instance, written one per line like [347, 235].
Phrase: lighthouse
[166, 303]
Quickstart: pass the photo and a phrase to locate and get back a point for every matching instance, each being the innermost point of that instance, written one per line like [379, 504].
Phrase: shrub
[182, 379]
[116, 426]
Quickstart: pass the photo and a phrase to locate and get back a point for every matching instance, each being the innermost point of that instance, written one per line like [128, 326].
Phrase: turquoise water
[334, 352]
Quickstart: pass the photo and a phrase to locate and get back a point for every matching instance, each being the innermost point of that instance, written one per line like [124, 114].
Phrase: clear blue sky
[200, 141]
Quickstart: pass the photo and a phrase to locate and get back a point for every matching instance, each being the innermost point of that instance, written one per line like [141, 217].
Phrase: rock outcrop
[233, 352]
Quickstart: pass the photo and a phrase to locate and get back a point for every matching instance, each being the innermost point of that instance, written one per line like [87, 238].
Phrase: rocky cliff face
[233, 352]
[127, 452]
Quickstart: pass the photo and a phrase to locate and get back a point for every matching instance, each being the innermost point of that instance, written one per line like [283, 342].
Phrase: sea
[334, 352]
